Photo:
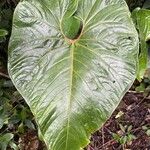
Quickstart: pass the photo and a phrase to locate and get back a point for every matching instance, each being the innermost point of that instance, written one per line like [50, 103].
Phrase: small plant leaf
[148, 132]
[29, 124]
[116, 137]
[3, 33]
[144, 127]
[13, 146]
[129, 128]
[1, 123]
[7, 137]
[122, 128]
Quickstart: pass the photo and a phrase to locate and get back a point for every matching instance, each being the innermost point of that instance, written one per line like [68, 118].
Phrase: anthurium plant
[72, 61]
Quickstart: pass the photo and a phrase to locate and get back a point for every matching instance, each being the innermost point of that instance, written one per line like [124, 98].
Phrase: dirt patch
[134, 111]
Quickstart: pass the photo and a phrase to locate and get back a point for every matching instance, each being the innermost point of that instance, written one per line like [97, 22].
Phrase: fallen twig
[108, 143]
[4, 75]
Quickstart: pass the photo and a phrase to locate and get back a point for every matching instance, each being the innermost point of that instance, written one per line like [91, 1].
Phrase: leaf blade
[72, 86]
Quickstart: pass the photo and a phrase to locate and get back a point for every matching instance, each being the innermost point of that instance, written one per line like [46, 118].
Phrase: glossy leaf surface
[72, 78]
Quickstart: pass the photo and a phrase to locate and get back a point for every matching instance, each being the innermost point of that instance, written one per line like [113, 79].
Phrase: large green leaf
[72, 78]
[142, 20]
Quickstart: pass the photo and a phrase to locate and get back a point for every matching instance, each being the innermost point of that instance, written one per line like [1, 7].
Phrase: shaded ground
[134, 110]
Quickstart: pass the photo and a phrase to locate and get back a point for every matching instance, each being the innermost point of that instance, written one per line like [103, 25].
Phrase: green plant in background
[147, 74]
[144, 87]
[135, 3]
[147, 130]
[146, 4]
[124, 137]
[142, 19]
[5, 141]
[6, 13]
[72, 78]
[3, 33]
[15, 116]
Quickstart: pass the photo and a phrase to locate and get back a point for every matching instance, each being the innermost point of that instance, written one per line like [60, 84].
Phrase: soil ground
[135, 110]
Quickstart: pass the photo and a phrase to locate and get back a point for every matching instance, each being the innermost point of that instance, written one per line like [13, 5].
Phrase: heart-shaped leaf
[72, 78]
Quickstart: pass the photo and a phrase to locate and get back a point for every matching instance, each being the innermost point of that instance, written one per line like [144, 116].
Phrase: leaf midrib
[70, 92]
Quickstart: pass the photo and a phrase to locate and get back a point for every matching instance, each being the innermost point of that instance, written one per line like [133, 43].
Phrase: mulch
[135, 110]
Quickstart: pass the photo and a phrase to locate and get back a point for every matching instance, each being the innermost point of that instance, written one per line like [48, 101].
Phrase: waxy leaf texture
[72, 61]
